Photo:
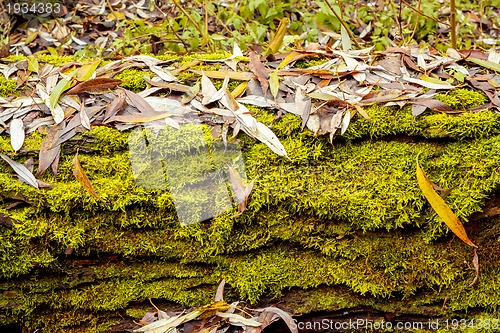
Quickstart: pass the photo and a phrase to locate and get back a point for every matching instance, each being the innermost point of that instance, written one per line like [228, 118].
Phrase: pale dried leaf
[163, 74]
[21, 171]
[207, 89]
[16, 134]
[219, 295]
[238, 320]
[345, 122]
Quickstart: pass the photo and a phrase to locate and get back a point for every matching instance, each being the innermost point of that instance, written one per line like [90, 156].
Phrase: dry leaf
[21, 170]
[86, 71]
[82, 178]
[274, 83]
[16, 133]
[49, 149]
[241, 76]
[140, 103]
[94, 86]
[241, 191]
[475, 262]
[141, 117]
[115, 106]
[259, 70]
[433, 104]
[219, 295]
[381, 96]
[441, 208]
[207, 89]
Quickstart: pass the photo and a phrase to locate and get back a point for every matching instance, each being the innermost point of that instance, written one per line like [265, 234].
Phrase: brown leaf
[115, 106]
[435, 105]
[94, 86]
[140, 103]
[381, 96]
[259, 70]
[410, 63]
[82, 178]
[241, 191]
[49, 149]
[168, 85]
[6, 221]
[241, 76]
[475, 262]
[474, 53]
[141, 117]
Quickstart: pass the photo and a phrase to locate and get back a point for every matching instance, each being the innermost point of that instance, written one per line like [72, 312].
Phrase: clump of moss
[310, 62]
[462, 99]
[56, 60]
[7, 87]
[133, 79]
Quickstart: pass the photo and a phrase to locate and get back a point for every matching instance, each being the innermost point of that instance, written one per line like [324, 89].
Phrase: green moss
[203, 56]
[56, 60]
[7, 87]
[310, 62]
[462, 99]
[133, 79]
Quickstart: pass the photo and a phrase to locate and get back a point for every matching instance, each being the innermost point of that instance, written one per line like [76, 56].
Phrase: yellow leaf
[274, 83]
[362, 111]
[288, 59]
[115, 16]
[86, 71]
[32, 63]
[31, 37]
[82, 178]
[277, 40]
[239, 90]
[61, 87]
[441, 208]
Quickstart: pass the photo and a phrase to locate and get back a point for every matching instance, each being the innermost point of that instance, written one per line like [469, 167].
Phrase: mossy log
[340, 228]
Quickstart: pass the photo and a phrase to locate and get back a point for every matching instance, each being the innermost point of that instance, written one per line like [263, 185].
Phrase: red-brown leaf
[94, 86]
[82, 178]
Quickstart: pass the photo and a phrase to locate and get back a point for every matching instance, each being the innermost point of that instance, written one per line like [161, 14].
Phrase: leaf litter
[217, 317]
[326, 97]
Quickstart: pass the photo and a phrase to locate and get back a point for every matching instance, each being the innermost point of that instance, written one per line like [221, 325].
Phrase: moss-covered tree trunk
[341, 228]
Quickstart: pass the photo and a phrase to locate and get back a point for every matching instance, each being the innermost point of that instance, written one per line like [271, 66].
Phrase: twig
[417, 10]
[400, 18]
[423, 14]
[211, 12]
[196, 25]
[341, 20]
[206, 22]
[453, 24]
